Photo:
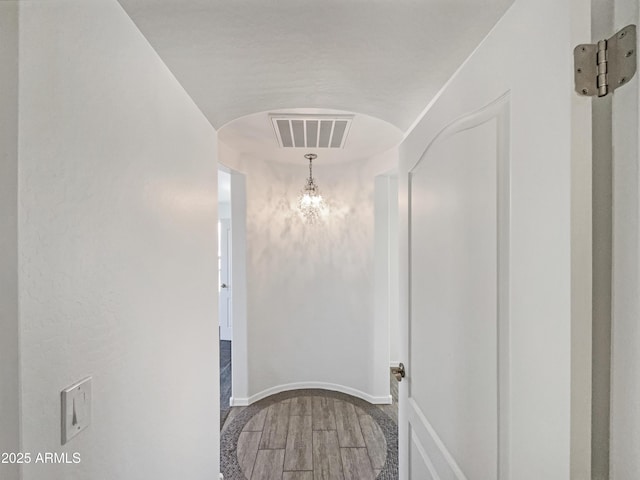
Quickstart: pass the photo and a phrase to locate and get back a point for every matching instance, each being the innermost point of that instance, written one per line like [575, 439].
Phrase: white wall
[224, 193]
[9, 374]
[386, 261]
[394, 319]
[118, 260]
[310, 289]
[381, 273]
[625, 330]
[239, 351]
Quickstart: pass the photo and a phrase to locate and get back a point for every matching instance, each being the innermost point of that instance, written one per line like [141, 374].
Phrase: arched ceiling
[381, 58]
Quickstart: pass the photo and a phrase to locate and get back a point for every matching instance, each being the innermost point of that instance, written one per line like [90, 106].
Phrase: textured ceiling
[382, 58]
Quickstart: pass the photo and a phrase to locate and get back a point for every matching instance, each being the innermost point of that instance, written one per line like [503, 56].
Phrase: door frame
[224, 245]
[238, 282]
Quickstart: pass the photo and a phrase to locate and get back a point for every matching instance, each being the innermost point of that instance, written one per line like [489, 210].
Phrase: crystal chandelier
[310, 202]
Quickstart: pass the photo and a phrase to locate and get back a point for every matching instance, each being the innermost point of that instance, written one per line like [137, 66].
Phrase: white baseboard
[244, 402]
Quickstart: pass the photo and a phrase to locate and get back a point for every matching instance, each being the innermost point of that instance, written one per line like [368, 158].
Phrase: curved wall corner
[311, 319]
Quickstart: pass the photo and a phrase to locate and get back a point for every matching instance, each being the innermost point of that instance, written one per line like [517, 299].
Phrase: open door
[495, 199]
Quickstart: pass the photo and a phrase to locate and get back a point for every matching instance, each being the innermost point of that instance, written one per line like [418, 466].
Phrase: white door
[224, 287]
[625, 331]
[496, 247]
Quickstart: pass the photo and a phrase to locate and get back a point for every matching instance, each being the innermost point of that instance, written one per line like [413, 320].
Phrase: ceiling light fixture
[310, 202]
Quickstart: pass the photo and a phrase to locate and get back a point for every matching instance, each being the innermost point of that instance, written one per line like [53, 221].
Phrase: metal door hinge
[602, 67]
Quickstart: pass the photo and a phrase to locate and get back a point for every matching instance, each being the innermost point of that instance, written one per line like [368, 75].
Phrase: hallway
[462, 217]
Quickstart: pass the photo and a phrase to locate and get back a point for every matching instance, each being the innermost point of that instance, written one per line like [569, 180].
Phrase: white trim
[244, 402]
[423, 455]
[418, 419]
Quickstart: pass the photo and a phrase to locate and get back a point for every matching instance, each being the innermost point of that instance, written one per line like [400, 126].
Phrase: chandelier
[310, 202]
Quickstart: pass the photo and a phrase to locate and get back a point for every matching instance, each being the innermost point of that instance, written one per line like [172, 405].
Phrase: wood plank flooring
[311, 438]
[225, 380]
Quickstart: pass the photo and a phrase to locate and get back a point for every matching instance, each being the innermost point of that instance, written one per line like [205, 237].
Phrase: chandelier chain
[310, 201]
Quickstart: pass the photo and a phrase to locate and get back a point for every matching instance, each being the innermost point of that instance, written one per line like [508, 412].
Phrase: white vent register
[311, 131]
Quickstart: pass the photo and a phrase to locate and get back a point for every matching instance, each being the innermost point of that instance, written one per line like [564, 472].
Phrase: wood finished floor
[225, 380]
[313, 438]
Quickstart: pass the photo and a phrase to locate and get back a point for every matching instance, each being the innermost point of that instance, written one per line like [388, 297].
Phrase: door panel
[495, 248]
[454, 287]
[419, 463]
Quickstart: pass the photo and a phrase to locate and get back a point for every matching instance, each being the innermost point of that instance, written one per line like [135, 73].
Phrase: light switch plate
[76, 409]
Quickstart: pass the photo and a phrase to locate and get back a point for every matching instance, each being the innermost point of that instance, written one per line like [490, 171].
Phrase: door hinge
[602, 67]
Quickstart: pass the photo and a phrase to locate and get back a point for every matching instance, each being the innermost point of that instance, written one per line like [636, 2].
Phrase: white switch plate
[76, 409]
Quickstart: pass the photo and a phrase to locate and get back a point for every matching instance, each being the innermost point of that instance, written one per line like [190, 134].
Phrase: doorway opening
[225, 319]
[231, 288]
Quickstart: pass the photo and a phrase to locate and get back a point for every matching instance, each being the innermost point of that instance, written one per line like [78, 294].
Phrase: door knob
[398, 372]
[224, 285]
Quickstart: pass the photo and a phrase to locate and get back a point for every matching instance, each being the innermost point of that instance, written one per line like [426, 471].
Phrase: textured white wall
[310, 289]
[240, 358]
[386, 267]
[117, 249]
[381, 285]
[9, 374]
[625, 329]
[394, 320]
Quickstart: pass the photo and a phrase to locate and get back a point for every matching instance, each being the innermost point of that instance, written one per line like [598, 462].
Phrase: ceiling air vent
[311, 131]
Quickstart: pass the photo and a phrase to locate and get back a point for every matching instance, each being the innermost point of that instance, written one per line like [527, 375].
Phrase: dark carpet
[225, 380]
